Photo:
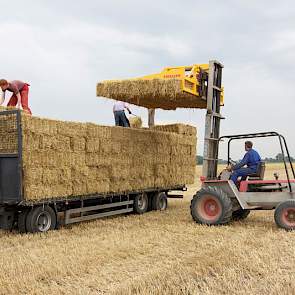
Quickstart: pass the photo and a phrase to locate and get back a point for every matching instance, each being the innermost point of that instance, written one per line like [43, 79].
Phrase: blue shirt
[251, 159]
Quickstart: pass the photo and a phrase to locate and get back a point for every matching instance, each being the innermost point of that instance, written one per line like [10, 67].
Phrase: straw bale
[46, 159]
[33, 191]
[96, 131]
[176, 128]
[33, 176]
[122, 171]
[92, 145]
[135, 122]
[64, 174]
[155, 93]
[110, 147]
[50, 176]
[78, 143]
[56, 175]
[58, 142]
[98, 186]
[141, 183]
[78, 159]
[100, 172]
[37, 192]
[79, 174]
[79, 188]
[120, 133]
[39, 125]
[126, 147]
[8, 134]
[31, 141]
[96, 159]
[119, 184]
[72, 129]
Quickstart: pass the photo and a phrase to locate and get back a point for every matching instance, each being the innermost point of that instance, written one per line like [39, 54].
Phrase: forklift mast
[212, 121]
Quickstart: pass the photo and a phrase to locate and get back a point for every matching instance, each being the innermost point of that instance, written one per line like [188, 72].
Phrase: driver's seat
[259, 175]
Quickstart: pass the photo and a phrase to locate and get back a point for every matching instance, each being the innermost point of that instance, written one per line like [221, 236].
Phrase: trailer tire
[21, 220]
[211, 206]
[41, 219]
[141, 203]
[160, 201]
[285, 215]
[240, 214]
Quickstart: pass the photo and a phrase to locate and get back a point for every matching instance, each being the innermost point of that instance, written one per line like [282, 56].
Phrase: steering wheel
[232, 162]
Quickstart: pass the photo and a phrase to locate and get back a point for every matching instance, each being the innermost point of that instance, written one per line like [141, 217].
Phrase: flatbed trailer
[46, 214]
[49, 214]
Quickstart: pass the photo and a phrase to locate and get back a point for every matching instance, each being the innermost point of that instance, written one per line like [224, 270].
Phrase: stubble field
[154, 253]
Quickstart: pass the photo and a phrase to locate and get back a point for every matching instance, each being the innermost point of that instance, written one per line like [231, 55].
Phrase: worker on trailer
[20, 94]
[119, 114]
[251, 160]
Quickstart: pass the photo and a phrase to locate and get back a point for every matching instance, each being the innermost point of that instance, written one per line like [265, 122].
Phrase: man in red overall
[20, 94]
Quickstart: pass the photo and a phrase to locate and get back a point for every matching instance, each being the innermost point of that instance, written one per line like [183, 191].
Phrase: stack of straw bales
[64, 159]
[155, 93]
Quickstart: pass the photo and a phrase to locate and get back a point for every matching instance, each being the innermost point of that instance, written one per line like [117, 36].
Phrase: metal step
[70, 220]
[82, 210]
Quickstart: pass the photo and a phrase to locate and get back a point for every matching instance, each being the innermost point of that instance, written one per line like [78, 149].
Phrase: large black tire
[21, 220]
[160, 201]
[240, 214]
[211, 206]
[141, 203]
[285, 215]
[41, 219]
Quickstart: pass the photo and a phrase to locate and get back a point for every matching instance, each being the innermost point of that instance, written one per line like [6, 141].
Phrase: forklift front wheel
[211, 206]
[285, 215]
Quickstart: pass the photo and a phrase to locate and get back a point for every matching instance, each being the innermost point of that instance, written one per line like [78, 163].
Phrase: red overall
[24, 93]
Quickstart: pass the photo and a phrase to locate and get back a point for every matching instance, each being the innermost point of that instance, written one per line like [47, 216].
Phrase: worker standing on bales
[119, 114]
[20, 94]
[251, 159]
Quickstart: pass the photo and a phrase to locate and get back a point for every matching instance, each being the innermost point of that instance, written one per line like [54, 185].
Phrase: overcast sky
[63, 48]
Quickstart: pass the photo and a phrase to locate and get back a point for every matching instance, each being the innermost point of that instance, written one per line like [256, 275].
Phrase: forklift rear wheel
[211, 206]
[21, 220]
[141, 203]
[160, 201]
[285, 215]
[41, 219]
[240, 214]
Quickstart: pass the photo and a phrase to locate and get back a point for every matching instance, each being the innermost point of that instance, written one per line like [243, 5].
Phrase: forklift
[220, 200]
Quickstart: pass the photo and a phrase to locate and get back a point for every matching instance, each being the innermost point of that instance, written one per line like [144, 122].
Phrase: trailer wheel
[285, 215]
[240, 214]
[21, 220]
[141, 203]
[41, 219]
[211, 206]
[159, 201]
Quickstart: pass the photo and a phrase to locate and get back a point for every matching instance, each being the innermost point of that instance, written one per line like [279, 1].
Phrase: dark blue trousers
[242, 172]
[121, 119]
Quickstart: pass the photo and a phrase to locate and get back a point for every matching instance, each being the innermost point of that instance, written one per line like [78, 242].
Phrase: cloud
[64, 47]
